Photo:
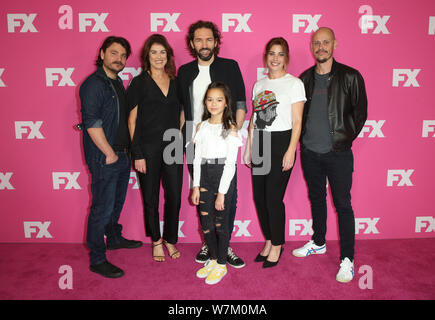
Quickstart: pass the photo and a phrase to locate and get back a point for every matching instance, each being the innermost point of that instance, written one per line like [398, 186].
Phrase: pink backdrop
[48, 50]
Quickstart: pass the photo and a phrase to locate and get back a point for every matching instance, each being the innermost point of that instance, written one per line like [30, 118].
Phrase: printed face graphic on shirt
[265, 108]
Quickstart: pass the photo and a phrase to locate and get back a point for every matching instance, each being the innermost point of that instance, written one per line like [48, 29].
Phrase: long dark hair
[159, 39]
[203, 24]
[228, 116]
[108, 42]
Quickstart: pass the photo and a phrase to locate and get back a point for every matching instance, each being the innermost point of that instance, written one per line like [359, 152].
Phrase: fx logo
[407, 75]
[94, 20]
[402, 176]
[427, 223]
[299, 20]
[159, 19]
[2, 84]
[21, 20]
[298, 224]
[68, 178]
[243, 228]
[229, 20]
[428, 126]
[22, 127]
[180, 233]
[129, 73]
[366, 224]
[52, 74]
[431, 25]
[5, 181]
[40, 228]
[367, 23]
[372, 127]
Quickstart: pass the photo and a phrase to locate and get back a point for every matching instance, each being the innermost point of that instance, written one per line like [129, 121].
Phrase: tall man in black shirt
[106, 144]
[203, 41]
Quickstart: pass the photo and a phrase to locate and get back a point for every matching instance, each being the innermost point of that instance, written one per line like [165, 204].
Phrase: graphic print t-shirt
[288, 90]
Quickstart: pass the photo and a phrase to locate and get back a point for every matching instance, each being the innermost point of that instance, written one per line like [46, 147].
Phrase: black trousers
[171, 176]
[269, 187]
[214, 223]
[338, 168]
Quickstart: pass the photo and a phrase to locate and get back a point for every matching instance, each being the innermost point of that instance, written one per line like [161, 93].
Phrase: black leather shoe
[260, 258]
[269, 264]
[106, 269]
[125, 244]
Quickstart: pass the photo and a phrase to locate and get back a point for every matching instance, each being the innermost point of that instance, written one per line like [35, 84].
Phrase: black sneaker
[106, 269]
[234, 260]
[203, 255]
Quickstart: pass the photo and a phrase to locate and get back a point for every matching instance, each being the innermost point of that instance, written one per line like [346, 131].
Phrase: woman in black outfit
[153, 101]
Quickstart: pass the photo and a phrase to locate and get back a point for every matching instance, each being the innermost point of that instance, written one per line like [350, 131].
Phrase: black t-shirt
[156, 113]
[317, 137]
[122, 138]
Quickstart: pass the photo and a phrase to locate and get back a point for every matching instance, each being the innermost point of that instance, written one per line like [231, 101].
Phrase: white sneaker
[308, 249]
[346, 272]
[216, 275]
[205, 271]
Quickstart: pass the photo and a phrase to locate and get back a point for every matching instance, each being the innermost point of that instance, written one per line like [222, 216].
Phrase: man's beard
[205, 57]
[116, 71]
[323, 60]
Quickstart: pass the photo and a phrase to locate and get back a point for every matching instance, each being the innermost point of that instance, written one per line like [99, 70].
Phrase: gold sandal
[158, 258]
[172, 255]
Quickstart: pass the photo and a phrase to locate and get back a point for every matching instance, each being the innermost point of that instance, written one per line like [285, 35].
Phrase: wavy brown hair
[159, 39]
[108, 42]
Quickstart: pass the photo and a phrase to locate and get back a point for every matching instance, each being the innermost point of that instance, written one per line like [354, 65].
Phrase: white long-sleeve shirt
[210, 144]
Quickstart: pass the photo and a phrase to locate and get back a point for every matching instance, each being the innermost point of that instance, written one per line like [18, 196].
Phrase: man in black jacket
[105, 143]
[203, 41]
[334, 114]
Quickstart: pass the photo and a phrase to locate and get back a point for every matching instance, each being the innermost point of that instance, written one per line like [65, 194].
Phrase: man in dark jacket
[334, 114]
[203, 41]
[106, 142]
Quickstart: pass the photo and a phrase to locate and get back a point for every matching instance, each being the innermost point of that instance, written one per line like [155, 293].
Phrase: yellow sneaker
[216, 275]
[205, 271]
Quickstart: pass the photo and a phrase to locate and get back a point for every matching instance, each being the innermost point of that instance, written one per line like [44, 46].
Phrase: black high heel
[260, 258]
[269, 264]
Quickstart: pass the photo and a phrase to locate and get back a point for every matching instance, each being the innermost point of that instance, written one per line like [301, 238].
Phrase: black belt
[213, 161]
[121, 149]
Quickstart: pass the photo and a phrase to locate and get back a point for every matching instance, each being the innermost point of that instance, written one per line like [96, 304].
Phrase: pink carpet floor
[401, 269]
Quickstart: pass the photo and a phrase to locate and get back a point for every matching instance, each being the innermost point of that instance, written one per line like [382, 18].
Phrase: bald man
[334, 114]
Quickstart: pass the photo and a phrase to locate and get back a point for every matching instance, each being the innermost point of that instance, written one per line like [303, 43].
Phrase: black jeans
[233, 205]
[171, 176]
[338, 168]
[214, 223]
[109, 188]
[269, 188]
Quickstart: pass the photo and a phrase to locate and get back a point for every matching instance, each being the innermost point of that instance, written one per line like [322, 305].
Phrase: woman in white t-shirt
[274, 133]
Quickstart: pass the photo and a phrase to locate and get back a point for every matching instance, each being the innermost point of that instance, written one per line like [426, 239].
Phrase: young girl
[214, 166]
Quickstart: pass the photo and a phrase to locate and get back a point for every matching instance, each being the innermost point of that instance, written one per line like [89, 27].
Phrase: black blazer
[221, 69]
